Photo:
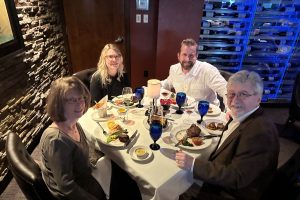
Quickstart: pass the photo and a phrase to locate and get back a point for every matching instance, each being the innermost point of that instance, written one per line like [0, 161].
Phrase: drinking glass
[180, 100]
[203, 107]
[127, 98]
[155, 133]
[139, 93]
[188, 120]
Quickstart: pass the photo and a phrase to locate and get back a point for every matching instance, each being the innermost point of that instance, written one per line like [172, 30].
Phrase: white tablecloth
[159, 178]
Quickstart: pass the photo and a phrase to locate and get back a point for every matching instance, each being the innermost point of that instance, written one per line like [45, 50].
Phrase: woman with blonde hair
[110, 77]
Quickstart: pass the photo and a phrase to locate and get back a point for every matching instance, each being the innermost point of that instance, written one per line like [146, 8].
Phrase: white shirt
[201, 82]
[234, 124]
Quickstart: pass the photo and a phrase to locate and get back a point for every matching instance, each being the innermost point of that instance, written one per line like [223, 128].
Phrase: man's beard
[187, 65]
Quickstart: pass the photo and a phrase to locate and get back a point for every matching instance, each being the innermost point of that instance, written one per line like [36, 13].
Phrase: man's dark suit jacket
[245, 163]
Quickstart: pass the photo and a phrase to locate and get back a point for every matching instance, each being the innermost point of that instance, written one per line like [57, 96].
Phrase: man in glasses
[197, 79]
[245, 158]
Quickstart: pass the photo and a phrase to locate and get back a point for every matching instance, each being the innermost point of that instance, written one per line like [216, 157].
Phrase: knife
[130, 139]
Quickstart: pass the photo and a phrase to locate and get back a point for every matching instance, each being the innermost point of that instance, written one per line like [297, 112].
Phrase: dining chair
[294, 108]
[85, 76]
[25, 170]
[286, 182]
[226, 75]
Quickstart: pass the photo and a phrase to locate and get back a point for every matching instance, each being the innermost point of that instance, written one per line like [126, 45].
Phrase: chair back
[285, 184]
[85, 76]
[25, 170]
[226, 76]
[294, 111]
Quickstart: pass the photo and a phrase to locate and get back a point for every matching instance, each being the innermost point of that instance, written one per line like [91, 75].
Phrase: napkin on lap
[102, 173]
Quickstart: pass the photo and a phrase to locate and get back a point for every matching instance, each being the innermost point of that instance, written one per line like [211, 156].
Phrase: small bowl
[141, 153]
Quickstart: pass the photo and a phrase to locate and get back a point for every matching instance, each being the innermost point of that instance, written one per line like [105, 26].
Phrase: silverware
[104, 132]
[131, 138]
[209, 136]
[179, 141]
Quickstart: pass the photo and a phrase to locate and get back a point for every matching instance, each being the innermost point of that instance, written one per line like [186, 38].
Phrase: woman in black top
[110, 77]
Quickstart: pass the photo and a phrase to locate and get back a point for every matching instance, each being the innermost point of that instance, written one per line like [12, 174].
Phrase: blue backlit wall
[255, 35]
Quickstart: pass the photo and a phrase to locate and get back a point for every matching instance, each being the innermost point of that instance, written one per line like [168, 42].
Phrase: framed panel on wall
[10, 33]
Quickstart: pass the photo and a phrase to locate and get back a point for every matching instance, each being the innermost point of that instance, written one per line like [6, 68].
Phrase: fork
[104, 132]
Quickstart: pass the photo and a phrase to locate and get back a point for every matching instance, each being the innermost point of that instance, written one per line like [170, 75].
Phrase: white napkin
[103, 102]
[102, 173]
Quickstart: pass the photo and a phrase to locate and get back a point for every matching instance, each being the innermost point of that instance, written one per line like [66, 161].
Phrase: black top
[114, 88]
[66, 168]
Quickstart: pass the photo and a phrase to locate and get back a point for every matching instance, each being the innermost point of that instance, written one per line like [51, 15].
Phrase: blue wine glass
[155, 133]
[203, 107]
[139, 93]
[180, 100]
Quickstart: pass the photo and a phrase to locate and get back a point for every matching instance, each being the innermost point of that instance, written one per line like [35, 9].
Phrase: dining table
[158, 177]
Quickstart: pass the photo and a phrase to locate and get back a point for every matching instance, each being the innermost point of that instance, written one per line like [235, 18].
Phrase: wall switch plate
[145, 18]
[138, 18]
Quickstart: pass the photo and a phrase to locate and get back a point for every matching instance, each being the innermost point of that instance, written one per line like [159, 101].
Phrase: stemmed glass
[139, 93]
[155, 133]
[127, 98]
[203, 107]
[180, 100]
[189, 112]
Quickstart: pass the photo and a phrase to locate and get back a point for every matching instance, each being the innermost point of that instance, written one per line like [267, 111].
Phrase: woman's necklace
[71, 131]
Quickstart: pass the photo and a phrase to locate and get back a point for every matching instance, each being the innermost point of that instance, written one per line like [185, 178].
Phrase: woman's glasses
[74, 100]
[111, 57]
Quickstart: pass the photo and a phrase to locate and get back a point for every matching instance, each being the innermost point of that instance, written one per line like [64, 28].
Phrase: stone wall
[25, 75]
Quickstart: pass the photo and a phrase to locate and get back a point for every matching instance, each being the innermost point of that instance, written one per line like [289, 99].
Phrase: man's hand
[184, 160]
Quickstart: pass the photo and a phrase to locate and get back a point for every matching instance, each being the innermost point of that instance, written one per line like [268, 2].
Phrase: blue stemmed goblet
[180, 100]
[139, 93]
[155, 133]
[203, 107]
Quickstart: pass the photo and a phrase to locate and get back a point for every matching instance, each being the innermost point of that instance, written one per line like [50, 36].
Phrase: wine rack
[257, 35]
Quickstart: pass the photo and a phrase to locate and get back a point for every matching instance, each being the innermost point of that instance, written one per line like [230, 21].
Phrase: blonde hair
[57, 96]
[102, 68]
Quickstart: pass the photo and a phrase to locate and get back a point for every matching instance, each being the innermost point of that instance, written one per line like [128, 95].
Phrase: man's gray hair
[252, 77]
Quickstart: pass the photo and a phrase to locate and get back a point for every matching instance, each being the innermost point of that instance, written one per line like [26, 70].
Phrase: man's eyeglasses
[240, 95]
[111, 57]
[73, 100]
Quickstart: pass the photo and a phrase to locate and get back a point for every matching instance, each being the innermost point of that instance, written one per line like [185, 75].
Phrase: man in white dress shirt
[197, 79]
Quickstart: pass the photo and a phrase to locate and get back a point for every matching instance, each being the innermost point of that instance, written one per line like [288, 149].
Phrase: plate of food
[115, 135]
[189, 103]
[140, 153]
[213, 110]
[189, 137]
[213, 126]
[165, 123]
[119, 102]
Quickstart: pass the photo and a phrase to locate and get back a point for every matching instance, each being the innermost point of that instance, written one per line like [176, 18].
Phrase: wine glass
[203, 107]
[188, 120]
[127, 98]
[180, 100]
[155, 133]
[139, 93]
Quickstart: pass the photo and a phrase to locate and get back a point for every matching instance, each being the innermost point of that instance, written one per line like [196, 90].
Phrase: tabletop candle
[153, 88]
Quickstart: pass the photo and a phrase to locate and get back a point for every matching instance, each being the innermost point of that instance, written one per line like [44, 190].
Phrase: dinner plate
[179, 132]
[136, 158]
[204, 123]
[215, 110]
[96, 117]
[147, 126]
[98, 133]
[117, 102]
[190, 103]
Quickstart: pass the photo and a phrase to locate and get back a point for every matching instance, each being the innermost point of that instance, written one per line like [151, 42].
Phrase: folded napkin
[102, 173]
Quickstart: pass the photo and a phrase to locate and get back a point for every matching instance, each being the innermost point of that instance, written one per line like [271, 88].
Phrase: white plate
[190, 103]
[215, 110]
[121, 105]
[208, 121]
[179, 132]
[96, 117]
[98, 133]
[135, 157]
[147, 126]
